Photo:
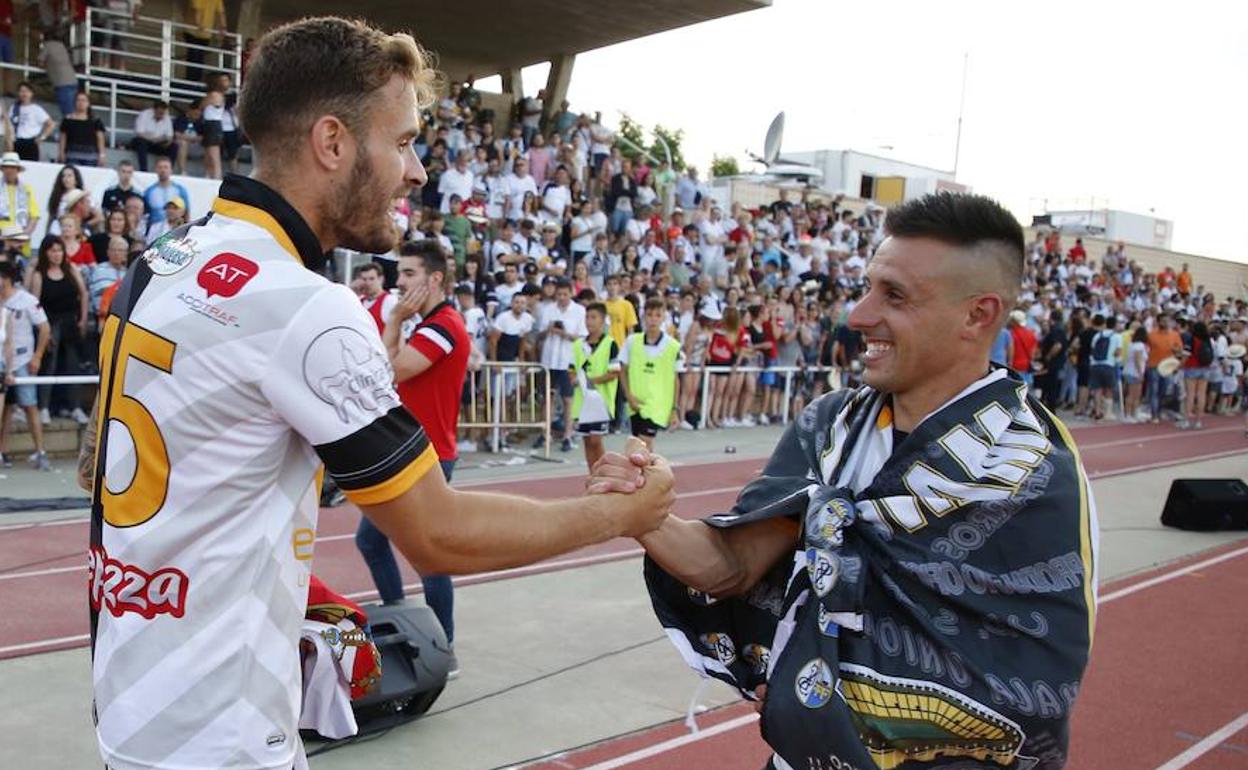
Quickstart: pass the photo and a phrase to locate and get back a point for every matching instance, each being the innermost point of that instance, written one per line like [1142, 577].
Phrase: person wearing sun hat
[17, 200]
[175, 216]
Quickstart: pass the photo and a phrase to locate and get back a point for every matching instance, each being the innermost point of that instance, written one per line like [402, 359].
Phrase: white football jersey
[230, 372]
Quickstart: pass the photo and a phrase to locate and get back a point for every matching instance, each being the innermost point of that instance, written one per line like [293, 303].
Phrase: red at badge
[226, 274]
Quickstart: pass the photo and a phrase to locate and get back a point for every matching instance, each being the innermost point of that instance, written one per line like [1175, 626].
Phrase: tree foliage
[634, 132]
[724, 166]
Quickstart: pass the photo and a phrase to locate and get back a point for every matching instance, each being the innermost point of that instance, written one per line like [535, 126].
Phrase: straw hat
[11, 160]
[1236, 351]
[1168, 366]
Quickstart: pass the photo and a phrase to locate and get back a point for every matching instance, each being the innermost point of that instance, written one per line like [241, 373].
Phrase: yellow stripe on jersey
[396, 484]
[259, 218]
[1085, 528]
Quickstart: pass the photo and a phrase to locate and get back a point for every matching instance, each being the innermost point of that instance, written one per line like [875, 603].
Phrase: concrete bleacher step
[60, 439]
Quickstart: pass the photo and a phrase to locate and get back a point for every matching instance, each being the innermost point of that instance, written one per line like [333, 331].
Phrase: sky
[1133, 106]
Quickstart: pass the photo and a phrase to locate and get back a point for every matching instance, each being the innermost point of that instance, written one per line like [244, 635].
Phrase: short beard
[361, 213]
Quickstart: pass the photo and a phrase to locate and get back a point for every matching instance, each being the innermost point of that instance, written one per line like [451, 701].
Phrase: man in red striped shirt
[373, 295]
[429, 372]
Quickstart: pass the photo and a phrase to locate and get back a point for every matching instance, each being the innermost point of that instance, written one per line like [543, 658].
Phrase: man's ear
[984, 313]
[333, 147]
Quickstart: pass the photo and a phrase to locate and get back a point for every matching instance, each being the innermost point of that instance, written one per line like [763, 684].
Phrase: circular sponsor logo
[814, 683]
[823, 568]
[721, 645]
[168, 255]
[826, 524]
[350, 373]
[757, 656]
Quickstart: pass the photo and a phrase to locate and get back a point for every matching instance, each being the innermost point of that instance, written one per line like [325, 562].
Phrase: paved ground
[531, 687]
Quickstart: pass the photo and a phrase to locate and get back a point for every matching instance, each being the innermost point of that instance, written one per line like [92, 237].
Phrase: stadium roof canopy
[485, 37]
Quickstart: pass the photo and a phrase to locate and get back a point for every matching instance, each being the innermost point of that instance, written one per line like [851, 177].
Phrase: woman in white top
[1133, 372]
[214, 133]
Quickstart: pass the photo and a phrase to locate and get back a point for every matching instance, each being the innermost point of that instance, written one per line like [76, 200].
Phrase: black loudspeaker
[415, 660]
[1206, 504]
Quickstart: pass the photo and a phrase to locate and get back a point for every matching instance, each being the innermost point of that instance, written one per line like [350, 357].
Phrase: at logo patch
[226, 274]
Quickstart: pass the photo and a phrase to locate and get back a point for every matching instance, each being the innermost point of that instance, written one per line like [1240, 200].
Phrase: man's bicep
[406, 518]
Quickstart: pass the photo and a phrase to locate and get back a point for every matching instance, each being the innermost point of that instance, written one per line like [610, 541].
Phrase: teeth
[879, 347]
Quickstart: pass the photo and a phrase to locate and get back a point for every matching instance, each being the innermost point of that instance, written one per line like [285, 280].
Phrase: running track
[42, 575]
[1172, 694]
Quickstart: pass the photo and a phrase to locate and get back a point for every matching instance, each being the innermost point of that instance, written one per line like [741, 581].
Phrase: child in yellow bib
[652, 360]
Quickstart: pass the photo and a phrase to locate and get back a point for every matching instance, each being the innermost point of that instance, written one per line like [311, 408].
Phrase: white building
[870, 177]
[1110, 224]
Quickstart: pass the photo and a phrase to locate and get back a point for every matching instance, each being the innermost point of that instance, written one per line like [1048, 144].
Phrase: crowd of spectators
[555, 205]
[204, 127]
[546, 217]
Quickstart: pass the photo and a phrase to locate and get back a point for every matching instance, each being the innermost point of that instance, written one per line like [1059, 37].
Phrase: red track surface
[41, 579]
[1170, 667]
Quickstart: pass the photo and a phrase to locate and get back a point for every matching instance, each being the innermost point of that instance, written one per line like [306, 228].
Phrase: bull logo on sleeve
[346, 371]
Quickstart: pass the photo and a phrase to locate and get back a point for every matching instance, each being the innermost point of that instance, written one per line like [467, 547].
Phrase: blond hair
[320, 66]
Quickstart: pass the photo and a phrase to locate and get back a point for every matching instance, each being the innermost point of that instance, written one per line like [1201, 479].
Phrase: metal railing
[151, 53]
[506, 395]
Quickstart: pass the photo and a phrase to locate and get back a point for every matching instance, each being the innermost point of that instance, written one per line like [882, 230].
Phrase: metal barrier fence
[515, 395]
[506, 395]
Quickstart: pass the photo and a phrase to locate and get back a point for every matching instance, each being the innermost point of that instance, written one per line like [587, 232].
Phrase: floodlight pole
[957, 145]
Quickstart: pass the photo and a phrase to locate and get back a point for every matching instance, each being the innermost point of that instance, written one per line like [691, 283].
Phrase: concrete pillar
[249, 23]
[557, 83]
[513, 83]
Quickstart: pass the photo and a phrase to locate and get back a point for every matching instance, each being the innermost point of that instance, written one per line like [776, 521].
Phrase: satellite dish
[771, 145]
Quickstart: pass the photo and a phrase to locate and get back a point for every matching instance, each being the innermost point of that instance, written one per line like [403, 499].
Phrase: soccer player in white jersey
[231, 371]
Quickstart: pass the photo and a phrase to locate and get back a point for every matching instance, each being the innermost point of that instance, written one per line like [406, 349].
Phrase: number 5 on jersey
[144, 496]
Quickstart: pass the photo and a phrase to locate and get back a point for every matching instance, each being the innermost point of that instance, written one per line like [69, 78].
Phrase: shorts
[1083, 376]
[644, 427]
[230, 142]
[767, 379]
[592, 428]
[1132, 379]
[213, 134]
[1101, 378]
[1197, 373]
[561, 383]
[22, 395]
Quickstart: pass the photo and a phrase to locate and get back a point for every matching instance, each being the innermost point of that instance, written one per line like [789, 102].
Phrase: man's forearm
[445, 531]
[720, 562]
[696, 555]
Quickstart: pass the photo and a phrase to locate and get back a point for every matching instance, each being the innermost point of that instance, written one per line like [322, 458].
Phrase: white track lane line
[1180, 572]
[1184, 759]
[674, 743]
[1211, 742]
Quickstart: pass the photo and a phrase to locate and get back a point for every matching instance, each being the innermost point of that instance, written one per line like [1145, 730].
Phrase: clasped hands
[638, 472]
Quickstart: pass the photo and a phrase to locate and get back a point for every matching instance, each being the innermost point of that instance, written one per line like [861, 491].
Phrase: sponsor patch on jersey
[118, 588]
[168, 254]
[208, 309]
[722, 647]
[824, 569]
[226, 274]
[814, 683]
[345, 371]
